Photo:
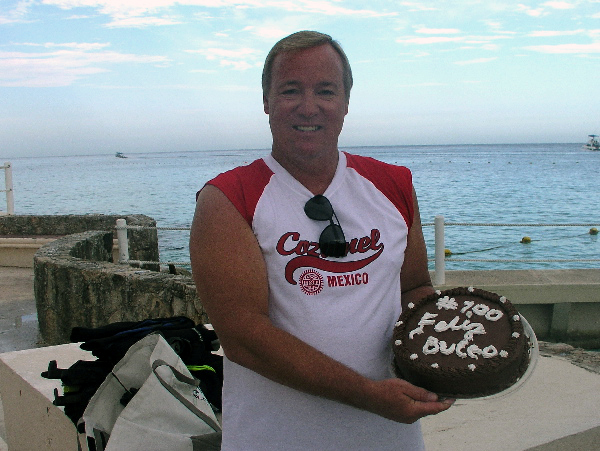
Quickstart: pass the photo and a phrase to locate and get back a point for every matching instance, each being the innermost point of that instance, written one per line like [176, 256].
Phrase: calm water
[530, 184]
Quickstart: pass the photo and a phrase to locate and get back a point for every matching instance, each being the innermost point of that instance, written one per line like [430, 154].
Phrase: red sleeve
[244, 186]
[395, 182]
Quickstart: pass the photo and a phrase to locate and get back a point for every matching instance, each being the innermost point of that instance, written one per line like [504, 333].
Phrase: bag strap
[190, 381]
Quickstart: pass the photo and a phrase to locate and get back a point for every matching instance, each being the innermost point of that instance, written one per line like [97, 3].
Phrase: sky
[84, 77]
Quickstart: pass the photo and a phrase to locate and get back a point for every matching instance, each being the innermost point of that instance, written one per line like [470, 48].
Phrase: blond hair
[302, 40]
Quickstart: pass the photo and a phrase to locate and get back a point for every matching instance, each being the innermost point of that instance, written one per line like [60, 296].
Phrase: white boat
[593, 143]
[120, 155]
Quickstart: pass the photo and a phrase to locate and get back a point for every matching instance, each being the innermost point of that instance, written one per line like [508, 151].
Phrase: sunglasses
[332, 241]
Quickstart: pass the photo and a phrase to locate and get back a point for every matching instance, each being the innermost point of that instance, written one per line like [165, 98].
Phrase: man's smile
[307, 128]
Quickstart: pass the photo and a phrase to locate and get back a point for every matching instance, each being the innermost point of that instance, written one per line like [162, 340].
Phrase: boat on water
[593, 143]
[120, 155]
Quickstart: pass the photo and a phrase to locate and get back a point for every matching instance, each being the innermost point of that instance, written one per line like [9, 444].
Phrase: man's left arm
[414, 276]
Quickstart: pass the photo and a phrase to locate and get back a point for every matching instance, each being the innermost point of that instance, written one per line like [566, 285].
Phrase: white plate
[534, 352]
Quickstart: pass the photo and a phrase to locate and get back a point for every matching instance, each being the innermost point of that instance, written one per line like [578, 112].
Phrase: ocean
[474, 184]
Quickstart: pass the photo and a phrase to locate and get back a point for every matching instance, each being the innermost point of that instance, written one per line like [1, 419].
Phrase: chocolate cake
[461, 343]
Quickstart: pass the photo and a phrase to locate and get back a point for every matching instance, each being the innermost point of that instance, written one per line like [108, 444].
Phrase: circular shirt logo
[311, 282]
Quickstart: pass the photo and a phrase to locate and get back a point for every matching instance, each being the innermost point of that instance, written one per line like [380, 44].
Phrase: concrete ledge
[22, 235]
[584, 441]
[32, 422]
[76, 284]
[19, 252]
[560, 305]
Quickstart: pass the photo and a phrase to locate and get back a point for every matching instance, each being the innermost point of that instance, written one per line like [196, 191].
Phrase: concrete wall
[18, 252]
[76, 284]
[22, 236]
[560, 305]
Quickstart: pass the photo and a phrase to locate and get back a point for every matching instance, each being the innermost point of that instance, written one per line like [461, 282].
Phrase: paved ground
[18, 319]
[557, 409]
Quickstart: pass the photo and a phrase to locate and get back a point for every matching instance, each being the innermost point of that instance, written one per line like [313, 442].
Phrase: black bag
[193, 343]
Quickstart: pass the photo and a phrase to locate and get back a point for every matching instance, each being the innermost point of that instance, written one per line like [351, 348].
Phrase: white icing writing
[426, 320]
[468, 305]
[460, 349]
[481, 310]
[444, 349]
[470, 328]
[447, 303]
[464, 348]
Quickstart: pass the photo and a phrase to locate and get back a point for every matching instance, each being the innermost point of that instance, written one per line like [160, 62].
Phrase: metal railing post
[10, 199]
[440, 257]
[122, 239]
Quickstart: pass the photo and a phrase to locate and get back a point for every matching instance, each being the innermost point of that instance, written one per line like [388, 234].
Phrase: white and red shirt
[345, 307]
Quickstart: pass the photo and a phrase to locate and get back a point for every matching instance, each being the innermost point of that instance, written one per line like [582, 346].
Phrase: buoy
[447, 252]
[525, 240]
[593, 231]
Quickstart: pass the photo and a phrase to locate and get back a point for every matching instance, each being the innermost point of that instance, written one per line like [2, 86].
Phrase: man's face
[306, 104]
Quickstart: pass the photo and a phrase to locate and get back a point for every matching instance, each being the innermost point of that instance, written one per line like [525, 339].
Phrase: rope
[475, 224]
[128, 227]
[499, 224]
[425, 224]
[145, 262]
[527, 260]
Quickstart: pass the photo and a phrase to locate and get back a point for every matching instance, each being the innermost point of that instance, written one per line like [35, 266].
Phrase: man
[305, 323]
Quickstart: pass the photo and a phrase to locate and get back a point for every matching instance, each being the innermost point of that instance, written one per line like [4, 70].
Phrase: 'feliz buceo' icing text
[463, 348]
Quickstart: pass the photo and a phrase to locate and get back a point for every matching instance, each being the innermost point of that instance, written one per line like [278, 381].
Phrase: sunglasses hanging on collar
[332, 241]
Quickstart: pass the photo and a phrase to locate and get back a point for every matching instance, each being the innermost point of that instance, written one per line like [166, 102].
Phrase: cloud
[552, 33]
[543, 9]
[415, 6]
[323, 7]
[437, 30]
[559, 5]
[566, 48]
[238, 59]
[475, 61]
[272, 29]
[429, 40]
[84, 46]
[140, 13]
[530, 11]
[142, 22]
[270, 32]
[422, 40]
[17, 14]
[62, 67]
[422, 85]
